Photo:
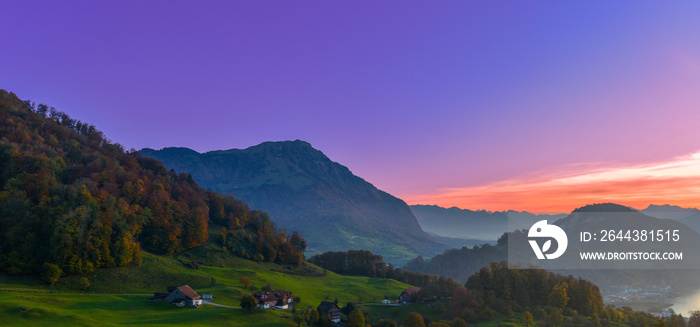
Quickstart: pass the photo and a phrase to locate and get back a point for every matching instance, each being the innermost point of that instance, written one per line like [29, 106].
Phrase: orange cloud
[675, 181]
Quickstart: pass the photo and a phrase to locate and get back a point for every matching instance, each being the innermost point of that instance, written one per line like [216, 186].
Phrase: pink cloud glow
[674, 181]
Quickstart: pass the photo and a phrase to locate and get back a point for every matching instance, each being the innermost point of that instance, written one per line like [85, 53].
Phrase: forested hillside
[304, 190]
[462, 263]
[73, 201]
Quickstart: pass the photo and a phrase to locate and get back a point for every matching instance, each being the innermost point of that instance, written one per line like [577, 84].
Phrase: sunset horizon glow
[675, 182]
[540, 106]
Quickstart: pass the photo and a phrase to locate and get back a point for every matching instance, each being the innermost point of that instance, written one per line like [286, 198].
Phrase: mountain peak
[178, 150]
[289, 149]
[604, 207]
[668, 208]
[304, 190]
[296, 144]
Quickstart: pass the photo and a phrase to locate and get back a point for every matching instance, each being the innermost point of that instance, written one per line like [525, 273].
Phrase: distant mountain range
[468, 224]
[304, 190]
[608, 216]
[461, 263]
[687, 216]
[489, 225]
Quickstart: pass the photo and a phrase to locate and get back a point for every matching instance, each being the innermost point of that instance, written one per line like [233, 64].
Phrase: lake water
[687, 303]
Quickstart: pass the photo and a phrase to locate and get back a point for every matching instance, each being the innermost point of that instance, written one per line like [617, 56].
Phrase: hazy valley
[88, 226]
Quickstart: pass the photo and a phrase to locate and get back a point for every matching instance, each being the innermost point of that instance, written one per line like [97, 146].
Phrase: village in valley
[185, 296]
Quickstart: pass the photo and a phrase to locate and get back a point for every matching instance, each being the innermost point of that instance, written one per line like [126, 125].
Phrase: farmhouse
[409, 295]
[331, 309]
[181, 296]
[273, 299]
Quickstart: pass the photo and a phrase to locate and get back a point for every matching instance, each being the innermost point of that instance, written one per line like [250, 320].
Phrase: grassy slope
[390, 251]
[61, 309]
[25, 301]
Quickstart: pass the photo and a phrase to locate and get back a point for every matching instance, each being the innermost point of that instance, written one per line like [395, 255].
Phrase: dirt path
[220, 305]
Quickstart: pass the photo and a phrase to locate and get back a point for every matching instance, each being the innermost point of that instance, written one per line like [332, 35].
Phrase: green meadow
[120, 296]
[62, 309]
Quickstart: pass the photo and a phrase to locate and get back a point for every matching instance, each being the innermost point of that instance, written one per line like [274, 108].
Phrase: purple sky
[415, 97]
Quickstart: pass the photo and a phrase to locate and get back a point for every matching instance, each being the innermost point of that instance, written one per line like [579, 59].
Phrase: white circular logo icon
[540, 230]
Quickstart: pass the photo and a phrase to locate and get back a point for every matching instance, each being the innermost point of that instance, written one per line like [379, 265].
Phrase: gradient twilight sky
[541, 106]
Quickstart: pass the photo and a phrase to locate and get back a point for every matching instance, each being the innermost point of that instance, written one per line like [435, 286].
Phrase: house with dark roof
[179, 295]
[265, 300]
[409, 295]
[274, 299]
[331, 309]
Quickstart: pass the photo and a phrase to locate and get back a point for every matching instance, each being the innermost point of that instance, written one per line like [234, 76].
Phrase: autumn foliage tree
[694, 320]
[248, 302]
[527, 319]
[72, 198]
[557, 298]
[414, 319]
[504, 290]
[462, 298]
[245, 280]
[386, 323]
[51, 273]
[356, 319]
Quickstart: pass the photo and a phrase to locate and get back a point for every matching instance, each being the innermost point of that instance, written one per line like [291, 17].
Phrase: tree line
[365, 263]
[462, 263]
[529, 297]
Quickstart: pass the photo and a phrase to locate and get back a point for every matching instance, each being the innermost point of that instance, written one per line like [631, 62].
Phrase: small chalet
[179, 295]
[409, 295]
[273, 299]
[331, 309]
